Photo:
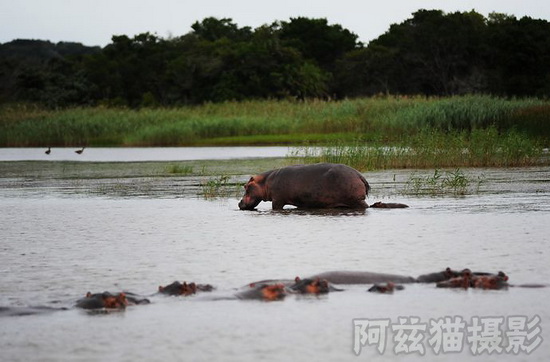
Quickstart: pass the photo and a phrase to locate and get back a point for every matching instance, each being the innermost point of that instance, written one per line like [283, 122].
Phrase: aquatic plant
[219, 187]
[179, 169]
[453, 182]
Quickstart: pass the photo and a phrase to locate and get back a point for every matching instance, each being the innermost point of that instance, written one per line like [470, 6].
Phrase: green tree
[129, 68]
[213, 29]
[518, 56]
[318, 41]
[434, 53]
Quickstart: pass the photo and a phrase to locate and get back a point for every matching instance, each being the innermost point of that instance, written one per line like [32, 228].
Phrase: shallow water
[137, 154]
[63, 237]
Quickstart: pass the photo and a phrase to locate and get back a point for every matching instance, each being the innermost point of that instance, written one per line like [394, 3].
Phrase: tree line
[431, 53]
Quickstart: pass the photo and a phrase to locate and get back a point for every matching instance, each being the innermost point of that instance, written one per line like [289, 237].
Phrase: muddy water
[63, 237]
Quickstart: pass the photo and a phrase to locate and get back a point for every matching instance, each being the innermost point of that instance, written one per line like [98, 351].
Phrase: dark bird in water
[48, 151]
[80, 151]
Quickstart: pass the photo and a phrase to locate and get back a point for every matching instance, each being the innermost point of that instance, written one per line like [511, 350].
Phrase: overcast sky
[93, 22]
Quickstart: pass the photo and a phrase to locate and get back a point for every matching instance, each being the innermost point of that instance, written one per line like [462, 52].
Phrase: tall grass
[379, 120]
[454, 113]
[431, 148]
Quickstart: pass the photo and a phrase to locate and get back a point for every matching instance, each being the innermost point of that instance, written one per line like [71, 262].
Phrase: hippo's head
[254, 192]
[498, 281]
[272, 292]
[115, 301]
[176, 288]
[311, 286]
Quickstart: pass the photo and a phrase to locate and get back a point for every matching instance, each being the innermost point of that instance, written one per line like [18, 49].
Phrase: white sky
[93, 22]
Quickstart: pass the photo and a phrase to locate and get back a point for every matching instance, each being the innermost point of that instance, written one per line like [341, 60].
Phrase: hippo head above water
[103, 300]
[310, 286]
[185, 289]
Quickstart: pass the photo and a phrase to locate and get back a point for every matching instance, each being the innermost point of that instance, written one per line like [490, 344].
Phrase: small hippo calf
[388, 288]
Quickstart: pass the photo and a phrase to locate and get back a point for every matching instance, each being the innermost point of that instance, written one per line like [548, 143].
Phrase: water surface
[137, 154]
[62, 237]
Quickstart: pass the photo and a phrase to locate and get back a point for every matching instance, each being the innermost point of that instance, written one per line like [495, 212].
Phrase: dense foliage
[432, 53]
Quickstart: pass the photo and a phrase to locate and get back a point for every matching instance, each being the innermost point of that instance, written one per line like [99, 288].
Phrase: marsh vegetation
[443, 182]
[366, 133]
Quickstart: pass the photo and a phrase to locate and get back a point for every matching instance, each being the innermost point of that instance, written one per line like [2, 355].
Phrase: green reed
[179, 169]
[385, 120]
[454, 182]
[427, 149]
[220, 187]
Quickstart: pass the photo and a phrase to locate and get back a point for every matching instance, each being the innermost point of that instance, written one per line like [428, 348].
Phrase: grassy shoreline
[457, 131]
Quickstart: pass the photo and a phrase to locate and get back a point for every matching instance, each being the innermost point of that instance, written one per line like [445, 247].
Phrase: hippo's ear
[248, 183]
[258, 179]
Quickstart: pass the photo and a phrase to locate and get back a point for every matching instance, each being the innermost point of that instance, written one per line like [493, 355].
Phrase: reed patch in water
[453, 182]
[179, 169]
[220, 186]
[434, 149]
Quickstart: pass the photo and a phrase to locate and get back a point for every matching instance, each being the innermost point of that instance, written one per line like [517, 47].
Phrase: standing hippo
[322, 185]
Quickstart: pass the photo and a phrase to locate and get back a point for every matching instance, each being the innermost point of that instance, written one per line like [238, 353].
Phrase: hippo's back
[319, 185]
[362, 277]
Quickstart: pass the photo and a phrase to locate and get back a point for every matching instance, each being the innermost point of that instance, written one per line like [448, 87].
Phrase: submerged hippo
[312, 286]
[103, 300]
[498, 281]
[110, 301]
[389, 287]
[467, 279]
[436, 277]
[322, 185]
[389, 205]
[185, 289]
[24, 311]
[362, 277]
[267, 292]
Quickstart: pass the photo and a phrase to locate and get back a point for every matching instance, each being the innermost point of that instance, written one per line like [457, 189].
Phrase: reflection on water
[64, 237]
